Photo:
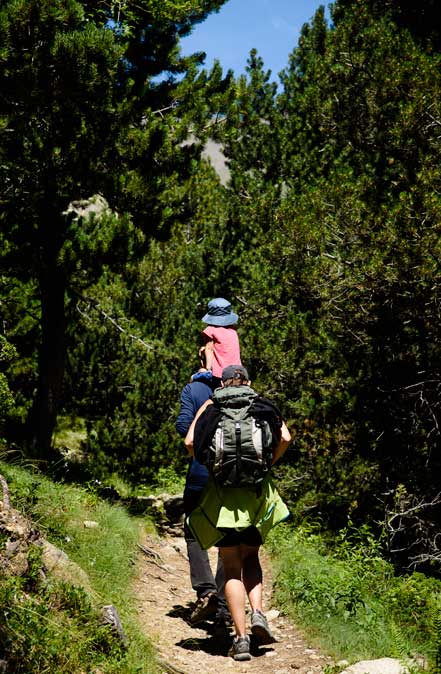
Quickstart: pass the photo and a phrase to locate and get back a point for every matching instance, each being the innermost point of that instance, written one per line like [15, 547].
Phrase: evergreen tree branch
[94, 304]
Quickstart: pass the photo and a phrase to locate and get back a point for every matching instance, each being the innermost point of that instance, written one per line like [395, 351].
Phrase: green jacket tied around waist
[235, 508]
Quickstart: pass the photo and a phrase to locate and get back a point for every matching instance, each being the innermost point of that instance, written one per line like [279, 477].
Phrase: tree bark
[51, 364]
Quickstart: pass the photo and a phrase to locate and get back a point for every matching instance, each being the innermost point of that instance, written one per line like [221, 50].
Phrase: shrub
[349, 598]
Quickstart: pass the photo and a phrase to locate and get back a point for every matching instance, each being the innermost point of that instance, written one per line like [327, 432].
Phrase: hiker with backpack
[210, 603]
[239, 435]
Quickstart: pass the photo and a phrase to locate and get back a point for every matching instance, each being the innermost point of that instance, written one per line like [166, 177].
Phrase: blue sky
[271, 26]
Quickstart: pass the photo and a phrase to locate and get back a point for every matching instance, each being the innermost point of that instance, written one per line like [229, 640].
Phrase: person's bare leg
[252, 578]
[252, 575]
[234, 589]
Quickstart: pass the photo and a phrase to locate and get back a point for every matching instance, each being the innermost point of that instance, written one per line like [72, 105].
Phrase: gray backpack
[241, 448]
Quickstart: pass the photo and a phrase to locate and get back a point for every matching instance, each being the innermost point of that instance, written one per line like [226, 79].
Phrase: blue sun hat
[220, 313]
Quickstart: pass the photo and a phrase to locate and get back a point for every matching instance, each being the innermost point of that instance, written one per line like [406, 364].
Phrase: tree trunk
[51, 364]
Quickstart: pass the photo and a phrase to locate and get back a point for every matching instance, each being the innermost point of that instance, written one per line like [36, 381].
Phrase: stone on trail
[60, 566]
[381, 666]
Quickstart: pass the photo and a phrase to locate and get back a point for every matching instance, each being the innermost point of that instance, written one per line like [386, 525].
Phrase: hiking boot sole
[204, 611]
[201, 617]
[263, 635]
[241, 657]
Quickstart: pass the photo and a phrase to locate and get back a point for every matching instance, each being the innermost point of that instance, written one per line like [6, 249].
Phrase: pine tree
[80, 115]
[360, 236]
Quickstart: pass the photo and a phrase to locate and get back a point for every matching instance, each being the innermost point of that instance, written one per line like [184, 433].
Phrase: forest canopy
[116, 231]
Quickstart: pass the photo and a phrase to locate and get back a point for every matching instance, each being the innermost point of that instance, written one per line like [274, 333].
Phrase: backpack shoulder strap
[263, 409]
[205, 428]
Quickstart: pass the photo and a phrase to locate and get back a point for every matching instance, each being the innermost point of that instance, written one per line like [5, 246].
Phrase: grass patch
[167, 480]
[349, 600]
[70, 436]
[56, 627]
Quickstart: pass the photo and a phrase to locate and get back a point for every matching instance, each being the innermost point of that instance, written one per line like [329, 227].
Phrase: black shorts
[233, 537]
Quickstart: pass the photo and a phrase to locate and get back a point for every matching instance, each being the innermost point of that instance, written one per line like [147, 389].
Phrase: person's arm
[285, 439]
[209, 349]
[186, 412]
[189, 438]
[208, 337]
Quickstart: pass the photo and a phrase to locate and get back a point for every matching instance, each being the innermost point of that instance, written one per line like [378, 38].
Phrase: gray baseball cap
[234, 372]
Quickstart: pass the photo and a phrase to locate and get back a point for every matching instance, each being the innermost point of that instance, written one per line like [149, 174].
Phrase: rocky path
[164, 597]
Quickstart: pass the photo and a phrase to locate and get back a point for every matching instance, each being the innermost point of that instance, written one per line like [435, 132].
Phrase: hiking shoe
[222, 623]
[240, 649]
[205, 608]
[260, 628]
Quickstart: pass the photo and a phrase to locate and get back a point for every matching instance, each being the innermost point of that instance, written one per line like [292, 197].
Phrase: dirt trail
[165, 597]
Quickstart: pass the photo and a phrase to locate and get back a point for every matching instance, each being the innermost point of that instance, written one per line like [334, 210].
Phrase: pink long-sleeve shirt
[226, 348]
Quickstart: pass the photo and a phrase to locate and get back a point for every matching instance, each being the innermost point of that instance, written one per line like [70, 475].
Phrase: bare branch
[422, 505]
[169, 107]
[421, 383]
[411, 532]
[215, 122]
[434, 119]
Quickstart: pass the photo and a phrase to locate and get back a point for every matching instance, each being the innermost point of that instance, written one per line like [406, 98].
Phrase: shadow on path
[214, 643]
[219, 646]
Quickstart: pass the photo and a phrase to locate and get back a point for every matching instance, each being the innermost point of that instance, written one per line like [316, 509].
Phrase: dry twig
[169, 668]
[149, 553]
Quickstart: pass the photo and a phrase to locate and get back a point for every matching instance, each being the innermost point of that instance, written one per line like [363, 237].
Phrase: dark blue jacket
[192, 397]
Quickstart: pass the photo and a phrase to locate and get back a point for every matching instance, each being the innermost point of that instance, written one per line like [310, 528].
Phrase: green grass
[347, 598]
[56, 627]
[70, 436]
[167, 480]
[350, 602]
